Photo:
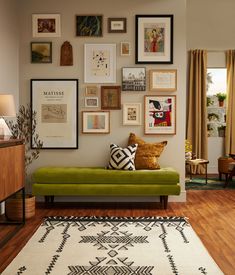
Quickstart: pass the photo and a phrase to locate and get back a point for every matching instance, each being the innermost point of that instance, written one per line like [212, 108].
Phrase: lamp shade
[7, 105]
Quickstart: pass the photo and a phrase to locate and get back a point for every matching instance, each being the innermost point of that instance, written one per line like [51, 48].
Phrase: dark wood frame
[89, 15]
[171, 17]
[75, 115]
[117, 90]
[41, 62]
[111, 19]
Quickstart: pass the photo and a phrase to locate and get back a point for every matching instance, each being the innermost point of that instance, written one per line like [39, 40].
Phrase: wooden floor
[211, 214]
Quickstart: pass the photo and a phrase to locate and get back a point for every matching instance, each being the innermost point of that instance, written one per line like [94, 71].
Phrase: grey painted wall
[94, 149]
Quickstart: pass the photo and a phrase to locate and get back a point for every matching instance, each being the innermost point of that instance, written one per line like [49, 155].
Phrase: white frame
[129, 47]
[91, 106]
[163, 80]
[85, 129]
[90, 77]
[127, 121]
[35, 32]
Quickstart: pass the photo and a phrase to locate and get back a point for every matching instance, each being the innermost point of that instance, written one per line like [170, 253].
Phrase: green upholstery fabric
[96, 175]
[95, 181]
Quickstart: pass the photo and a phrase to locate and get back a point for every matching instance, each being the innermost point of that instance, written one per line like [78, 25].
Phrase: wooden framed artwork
[46, 25]
[154, 39]
[125, 48]
[134, 79]
[100, 63]
[95, 122]
[55, 102]
[117, 25]
[160, 115]
[91, 91]
[91, 102]
[163, 80]
[110, 97]
[132, 114]
[89, 25]
[41, 52]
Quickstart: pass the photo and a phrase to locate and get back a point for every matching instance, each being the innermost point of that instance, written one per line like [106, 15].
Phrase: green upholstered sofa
[96, 181]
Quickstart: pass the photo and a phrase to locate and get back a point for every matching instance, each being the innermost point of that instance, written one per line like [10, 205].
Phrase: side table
[196, 162]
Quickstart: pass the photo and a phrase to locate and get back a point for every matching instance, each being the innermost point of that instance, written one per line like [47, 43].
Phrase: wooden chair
[231, 170]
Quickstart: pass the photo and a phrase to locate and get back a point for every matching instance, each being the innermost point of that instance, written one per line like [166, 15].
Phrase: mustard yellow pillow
[147, 154]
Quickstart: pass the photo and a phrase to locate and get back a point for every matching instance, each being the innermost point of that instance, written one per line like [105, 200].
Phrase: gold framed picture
[163, 80]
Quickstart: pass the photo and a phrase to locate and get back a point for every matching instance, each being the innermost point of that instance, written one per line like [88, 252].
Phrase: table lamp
[7, 109]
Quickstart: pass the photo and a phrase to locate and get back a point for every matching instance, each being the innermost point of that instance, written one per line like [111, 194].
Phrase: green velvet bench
[95, 181]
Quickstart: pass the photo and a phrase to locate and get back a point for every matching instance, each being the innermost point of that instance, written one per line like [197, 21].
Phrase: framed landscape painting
[89, 25]
[95, 122]
[41, 52]
[55, 102]
[133, 79]
[100, 63]
[46, 25]
[160, 115]
[154, 39]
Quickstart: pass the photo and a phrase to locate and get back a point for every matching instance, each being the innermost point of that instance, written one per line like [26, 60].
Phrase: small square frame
[41, 52]
[91, 102]
[91, 91]
[132, 114]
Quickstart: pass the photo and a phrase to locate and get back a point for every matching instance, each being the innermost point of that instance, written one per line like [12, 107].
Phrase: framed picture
[95, 122]
[132, 114]
[117, 25]
[163, 80]
[100, 63]
[154, 39]
[133, 79]
[55, 102]
[46, 25]
[91, 91]
[125, 48]
[91, 102]
[41, 52]
[110, 97]
[89, 25]
[160, 115]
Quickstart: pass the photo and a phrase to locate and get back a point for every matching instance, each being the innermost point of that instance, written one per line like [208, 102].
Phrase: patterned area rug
[212, 184]
[113, 246]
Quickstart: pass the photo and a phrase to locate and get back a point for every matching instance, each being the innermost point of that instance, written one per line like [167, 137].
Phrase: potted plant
[221, 130]
[23, 128]
[221, 97]
[213, 116]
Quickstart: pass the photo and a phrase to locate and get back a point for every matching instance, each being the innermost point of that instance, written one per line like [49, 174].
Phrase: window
[216, 103]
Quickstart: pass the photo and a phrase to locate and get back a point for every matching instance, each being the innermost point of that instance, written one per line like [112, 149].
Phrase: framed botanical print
[55, 102]
[134, 79]
[89, 25]
[41, 52]
[163, 80]
[117, 25]
[110, 97]
[100, 63]
[132, 114]
[154, 39]
[160, 115]
[46, 25]
[95, 122]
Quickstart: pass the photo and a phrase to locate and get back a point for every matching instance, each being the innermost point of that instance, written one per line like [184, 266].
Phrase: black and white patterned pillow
[122, 158]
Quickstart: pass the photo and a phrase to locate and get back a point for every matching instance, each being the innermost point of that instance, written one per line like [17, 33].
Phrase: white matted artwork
[100, 63]
[91, 102]
[163, 80]
[132, 113]
[46, 25]
[125, 48]
[55, 102]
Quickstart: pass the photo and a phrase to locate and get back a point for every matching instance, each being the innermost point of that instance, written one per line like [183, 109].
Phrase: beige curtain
[230, 114]
[197, 112]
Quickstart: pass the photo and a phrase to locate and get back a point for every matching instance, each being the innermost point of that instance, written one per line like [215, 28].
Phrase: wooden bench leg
[164, 201]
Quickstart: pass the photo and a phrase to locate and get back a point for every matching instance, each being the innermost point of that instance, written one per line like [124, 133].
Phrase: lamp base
[4, 129]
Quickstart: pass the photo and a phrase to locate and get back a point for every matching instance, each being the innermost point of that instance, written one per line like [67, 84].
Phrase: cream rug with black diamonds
[114, 246]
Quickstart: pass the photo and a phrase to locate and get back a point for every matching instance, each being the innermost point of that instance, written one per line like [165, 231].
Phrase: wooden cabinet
[12, 170]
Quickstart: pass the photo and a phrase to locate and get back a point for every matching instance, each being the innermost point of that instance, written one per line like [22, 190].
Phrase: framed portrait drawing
[55, 102]
[125, 48]
[132, 114]
[117, 25]
[100, 63]
[133, 79]
[91, 91]
[91, 102]
[95, 122]
[154, 39]
[110, 97]
[163, 80]
[160, 115]
[46, 25]
[89, 25]
[41, 52]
